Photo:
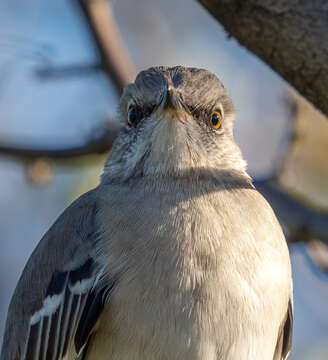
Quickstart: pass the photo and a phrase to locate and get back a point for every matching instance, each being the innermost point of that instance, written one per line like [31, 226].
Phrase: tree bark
[289, 35]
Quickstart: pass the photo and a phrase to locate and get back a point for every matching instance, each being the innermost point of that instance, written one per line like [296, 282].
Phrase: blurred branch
[291, 36]
[99, 142]
[114, 56]
[301, 222]
[319, 252]
[56, 73]
[116, 63]
[115, 60]
[39, 171]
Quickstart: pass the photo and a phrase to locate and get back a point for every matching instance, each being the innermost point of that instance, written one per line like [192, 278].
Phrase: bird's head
[176, 122]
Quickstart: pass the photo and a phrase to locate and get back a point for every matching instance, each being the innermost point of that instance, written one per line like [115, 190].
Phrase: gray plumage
[173, 256]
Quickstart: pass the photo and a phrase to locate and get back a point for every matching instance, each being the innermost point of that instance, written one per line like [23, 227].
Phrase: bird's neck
[190, 182]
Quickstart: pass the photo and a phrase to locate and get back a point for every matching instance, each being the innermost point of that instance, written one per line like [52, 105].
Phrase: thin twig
[66, 71]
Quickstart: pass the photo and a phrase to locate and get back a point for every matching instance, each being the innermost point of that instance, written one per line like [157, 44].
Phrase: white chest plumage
[184, 293]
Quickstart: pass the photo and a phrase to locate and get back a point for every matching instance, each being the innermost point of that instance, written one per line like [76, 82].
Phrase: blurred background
[58, 93]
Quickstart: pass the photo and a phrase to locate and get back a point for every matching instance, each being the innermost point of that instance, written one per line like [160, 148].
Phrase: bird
[174, 255]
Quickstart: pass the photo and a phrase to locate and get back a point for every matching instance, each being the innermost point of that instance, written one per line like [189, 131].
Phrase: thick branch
[289, 35]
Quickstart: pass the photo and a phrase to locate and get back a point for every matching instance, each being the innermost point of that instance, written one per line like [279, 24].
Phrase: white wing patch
[49, 306]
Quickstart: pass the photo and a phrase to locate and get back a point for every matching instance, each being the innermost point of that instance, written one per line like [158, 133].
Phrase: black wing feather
[288, 332]
[68, 314]
[90, 315]
[285, 334]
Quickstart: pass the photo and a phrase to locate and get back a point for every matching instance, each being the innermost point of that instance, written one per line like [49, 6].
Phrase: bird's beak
[169, 100]
[170, 105]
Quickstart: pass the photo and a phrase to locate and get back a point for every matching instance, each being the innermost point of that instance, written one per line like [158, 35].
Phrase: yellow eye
[216, 119]
[132, 116]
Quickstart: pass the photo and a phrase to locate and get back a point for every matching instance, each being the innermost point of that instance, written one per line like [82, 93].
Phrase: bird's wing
[284, 342]
[58, 298]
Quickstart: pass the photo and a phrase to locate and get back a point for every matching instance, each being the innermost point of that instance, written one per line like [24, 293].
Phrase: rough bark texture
[289, 35]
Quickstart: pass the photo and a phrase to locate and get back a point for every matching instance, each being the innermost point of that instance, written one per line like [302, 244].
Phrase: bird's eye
[132, 115]
[216, 119]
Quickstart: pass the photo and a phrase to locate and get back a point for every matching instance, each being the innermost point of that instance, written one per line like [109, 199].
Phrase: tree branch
[114, 56]
[66, 71]
[289, 35]
[300, 222]
[99, 142]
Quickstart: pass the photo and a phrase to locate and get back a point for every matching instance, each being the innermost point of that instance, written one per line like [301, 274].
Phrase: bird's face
[176, 121]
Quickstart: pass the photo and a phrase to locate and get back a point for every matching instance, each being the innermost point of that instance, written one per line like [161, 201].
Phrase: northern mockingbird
[174, 256]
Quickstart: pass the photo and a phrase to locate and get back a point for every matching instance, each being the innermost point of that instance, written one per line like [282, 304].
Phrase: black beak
[171, 106]
[170, 99]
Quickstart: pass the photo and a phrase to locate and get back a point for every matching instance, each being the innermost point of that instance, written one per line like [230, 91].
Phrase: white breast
[192, 283]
